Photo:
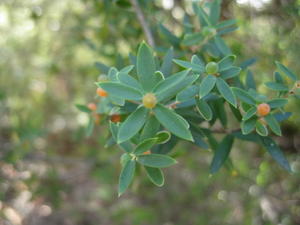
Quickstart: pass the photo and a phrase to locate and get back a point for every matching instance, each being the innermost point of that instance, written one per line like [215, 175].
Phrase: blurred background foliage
[50, 173]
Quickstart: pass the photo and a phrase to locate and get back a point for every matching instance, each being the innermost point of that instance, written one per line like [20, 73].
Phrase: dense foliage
[162, 107]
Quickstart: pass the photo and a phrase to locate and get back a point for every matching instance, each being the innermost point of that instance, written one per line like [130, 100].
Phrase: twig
[143, 22]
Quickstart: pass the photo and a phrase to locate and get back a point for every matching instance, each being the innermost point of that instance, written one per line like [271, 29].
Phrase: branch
[143, 22]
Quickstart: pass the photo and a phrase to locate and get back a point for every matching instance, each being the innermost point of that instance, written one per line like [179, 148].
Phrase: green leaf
[112, 74]
[226, 92]
[243, 96]
[202, 15]
[286, 71]
[187, 94]
[261, 129]
[132, 124]
[169, 35]
[121, 91]
[127, 69]
[163, 137]
[250, 113]
[90, 127]
[155, 175]
[128, 80]
[277, 103]
[145, 145]
[221, 153]
[273, 124]
[151, 128]
[196, 60]
[175, 89]
[170, 82]
[114, 129]
[276, 86]
[166, 67]
[275, 152]
[126, 176]
[156, 160]
[214, 12]
[192, 39]
[207, 85]
[195, 67]
[248, 126]
[226, 62]
[204, 109]
[225, 23]
[250, 82]
[230, 72]
[83, 108]
[170, 120]
[146, 67]
[223, 48]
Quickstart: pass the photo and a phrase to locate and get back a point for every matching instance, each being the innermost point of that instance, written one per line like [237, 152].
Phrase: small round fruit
[263, 109]
[212, 68]
[92, 106]
[147, 152]
[149, 100]
[115, 118]
[297, 85]
[101, 92]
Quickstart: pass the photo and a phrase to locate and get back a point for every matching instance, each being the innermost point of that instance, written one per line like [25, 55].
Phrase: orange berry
[149, 100]
[101, 92]
[92, 106]
[147, 152]
[115, 118]
[263, 109]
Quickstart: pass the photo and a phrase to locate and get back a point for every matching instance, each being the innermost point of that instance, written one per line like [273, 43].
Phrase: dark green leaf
[226, 92]
[261, 129]
[146, 67]
[187, 94]
[151, 128]
[214, 12]
[155, 175]
[230, 72]
[221, 153]
[276, 86]
[173, 122]
[207, 84]
[163, 137]
[226, 62]
[156, 160]
[248, 126]
[286, 71]
[126, 176]
[250, 113]
[204, 109]
[243, 96]
[132, 124]
[273, 124]
[166, 67]
[250, 82]
[121, 91]
[275, 152]
[188, 65]
[145, 145]
[192, 39]
[277, 103]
